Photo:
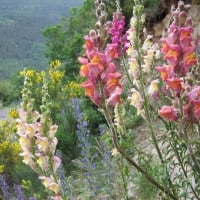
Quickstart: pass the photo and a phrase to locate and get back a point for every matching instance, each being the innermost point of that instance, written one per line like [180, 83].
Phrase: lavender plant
[14, 192]
[85, 146]
[98, 166]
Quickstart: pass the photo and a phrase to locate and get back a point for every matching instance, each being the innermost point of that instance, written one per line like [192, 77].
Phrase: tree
[64, 41]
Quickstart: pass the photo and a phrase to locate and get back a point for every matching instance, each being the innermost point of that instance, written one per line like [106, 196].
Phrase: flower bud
[188, 22]
[102, 19]
[98, 12]
[182, 18]
[92, 34]
[102, 6]
[97, 25]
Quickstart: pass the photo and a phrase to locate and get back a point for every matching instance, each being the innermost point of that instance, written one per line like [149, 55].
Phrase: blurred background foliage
[63, 42]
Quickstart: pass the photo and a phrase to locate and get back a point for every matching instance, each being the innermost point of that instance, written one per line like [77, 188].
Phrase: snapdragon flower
[179, 53]
[37, 139]
[102, 78]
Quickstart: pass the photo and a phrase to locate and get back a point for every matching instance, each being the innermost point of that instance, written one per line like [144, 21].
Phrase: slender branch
[128, 76]
[146, 104]
[132, 162]
[187, 138]
[123, 178]
[182, 167]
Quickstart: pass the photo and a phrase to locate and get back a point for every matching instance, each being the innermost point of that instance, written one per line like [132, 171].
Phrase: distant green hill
[21, 22]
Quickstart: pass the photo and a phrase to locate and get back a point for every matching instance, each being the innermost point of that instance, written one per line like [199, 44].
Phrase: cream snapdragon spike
[102, 83]
[38, 150]
[178, 49]
[143, 66]
[38, 143]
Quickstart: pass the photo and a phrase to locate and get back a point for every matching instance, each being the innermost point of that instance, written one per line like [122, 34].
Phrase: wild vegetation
[114, 116]
[21, 24]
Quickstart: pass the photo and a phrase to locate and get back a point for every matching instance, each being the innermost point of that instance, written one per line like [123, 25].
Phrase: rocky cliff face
[159, 28]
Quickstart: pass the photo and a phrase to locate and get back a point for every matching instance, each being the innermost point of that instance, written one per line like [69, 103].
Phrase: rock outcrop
[159, 28]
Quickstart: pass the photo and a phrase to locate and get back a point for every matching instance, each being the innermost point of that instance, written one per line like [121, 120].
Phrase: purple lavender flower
[18, 191]
[4, 187]
[14, 192]
[87, 157]
[98, 169]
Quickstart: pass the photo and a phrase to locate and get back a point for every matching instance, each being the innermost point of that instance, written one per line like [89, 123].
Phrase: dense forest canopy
[21, 22]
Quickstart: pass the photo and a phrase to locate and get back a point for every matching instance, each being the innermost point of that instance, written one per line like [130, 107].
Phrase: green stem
[151, 129]
[182, 166]
[132, 162]
[129, 78]
[198, 128]
[146, 105]
[187, 138]
[121, 167]
[153, 136]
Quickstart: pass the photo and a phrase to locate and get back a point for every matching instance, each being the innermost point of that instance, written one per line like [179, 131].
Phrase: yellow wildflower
[72, 89]
[22, 73]
[30, 73]
[1, 168]
[38, 78]
[56, 76]
[57, 63]
[13, 113]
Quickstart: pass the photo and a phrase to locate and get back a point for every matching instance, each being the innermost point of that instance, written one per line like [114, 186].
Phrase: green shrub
[31, 185]
[7, 92]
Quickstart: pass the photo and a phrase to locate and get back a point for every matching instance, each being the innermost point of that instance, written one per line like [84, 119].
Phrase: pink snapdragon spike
[91, 92]
[116, 31]
[102, 79]
[112, 51]
[194, 94]
[187, 112]
[115, 96]
[194, 102]
[185, 36]
[173, 54]
[165, 72]
[178, 49]
[89, 46]
[189, 59]
[169, 113]
[174, 84]
[101, 76]
[165, 45]
[196, 109]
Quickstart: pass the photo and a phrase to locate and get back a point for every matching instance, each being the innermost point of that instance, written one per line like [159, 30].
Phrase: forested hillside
[21, 22]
